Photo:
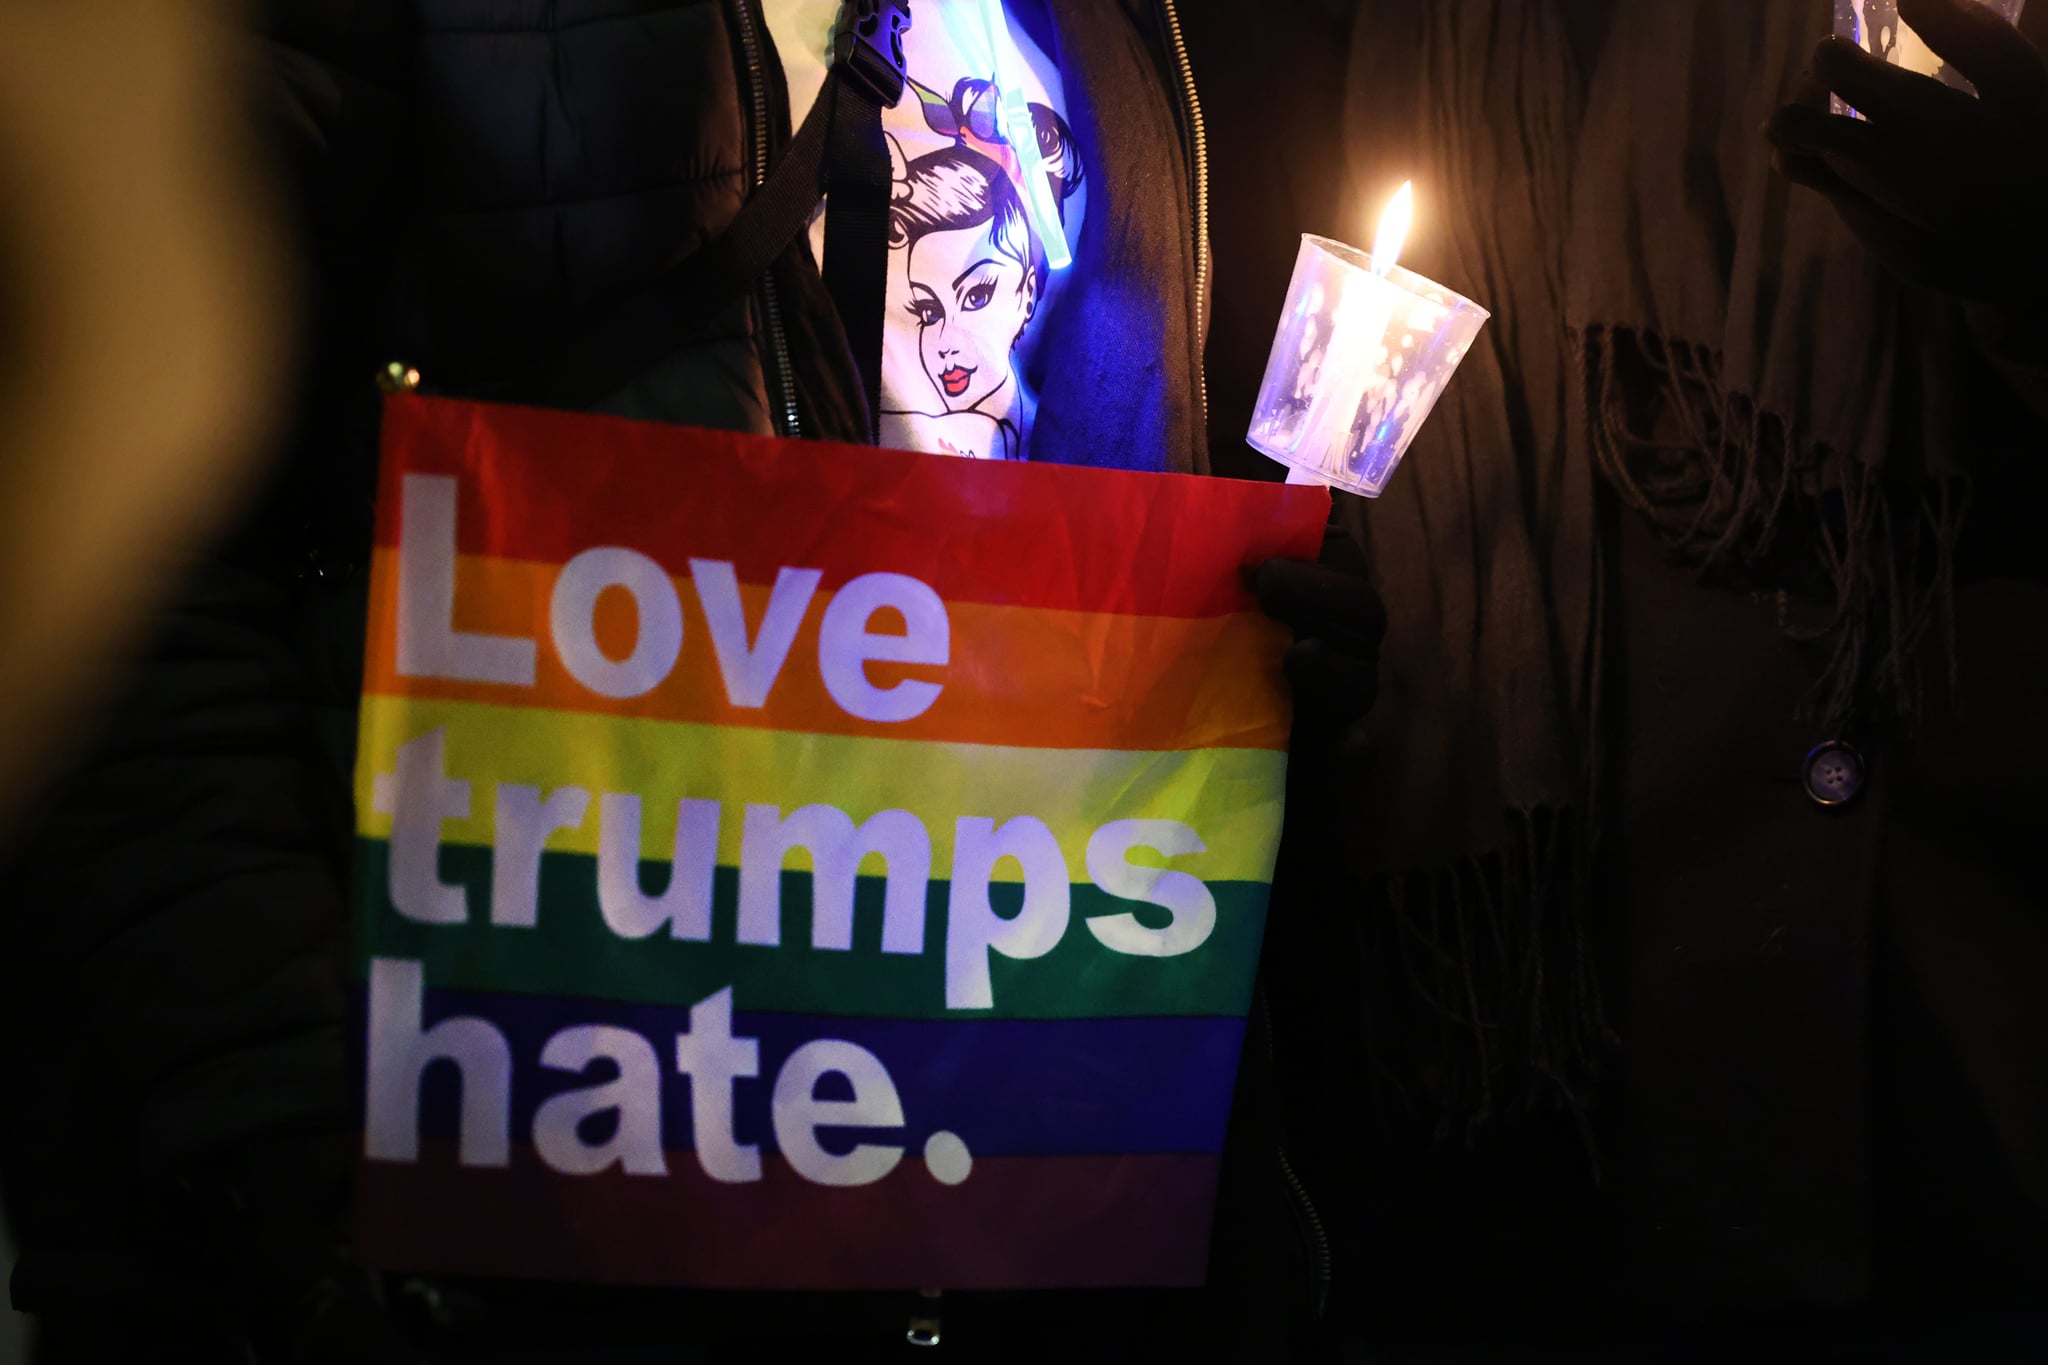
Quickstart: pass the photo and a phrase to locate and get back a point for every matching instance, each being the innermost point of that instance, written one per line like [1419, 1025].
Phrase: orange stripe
[1019, 675]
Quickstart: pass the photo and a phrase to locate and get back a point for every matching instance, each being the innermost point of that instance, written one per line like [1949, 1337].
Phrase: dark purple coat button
[1835, 773]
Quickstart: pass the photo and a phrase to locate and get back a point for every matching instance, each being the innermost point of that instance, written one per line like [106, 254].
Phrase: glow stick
[1022, 135]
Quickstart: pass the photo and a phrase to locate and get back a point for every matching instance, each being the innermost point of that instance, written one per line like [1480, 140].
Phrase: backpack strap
[868, 73]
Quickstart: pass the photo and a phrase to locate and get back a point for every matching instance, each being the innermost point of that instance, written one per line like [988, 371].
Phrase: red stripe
[1014, 1223]
[1041, 535]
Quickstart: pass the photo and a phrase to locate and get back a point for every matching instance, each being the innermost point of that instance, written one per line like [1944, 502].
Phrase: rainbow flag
[803, 866]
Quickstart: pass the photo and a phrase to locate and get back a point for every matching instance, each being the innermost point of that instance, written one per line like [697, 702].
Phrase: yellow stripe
[1231, 797]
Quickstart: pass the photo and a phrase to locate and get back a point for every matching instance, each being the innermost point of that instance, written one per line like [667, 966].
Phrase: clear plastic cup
[1357, 363]
[1875, 26]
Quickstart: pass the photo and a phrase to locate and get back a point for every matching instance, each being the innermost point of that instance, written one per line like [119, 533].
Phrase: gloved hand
[1945, 190]
[1334, 663]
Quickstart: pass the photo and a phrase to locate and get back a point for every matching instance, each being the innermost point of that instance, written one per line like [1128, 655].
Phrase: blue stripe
[1006, 1087]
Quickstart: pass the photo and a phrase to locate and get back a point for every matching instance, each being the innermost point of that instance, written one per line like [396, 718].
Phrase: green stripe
[572, 952]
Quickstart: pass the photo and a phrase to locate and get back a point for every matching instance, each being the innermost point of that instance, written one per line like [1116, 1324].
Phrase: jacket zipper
[1306, 1217]
[1198, 157]
[784, 376]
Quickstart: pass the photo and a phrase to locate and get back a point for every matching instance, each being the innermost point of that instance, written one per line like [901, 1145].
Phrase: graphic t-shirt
[969, 285]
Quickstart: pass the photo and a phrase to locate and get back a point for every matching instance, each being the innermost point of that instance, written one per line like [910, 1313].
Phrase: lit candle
[1395, 220]
[1363, 304]
[1363, 350]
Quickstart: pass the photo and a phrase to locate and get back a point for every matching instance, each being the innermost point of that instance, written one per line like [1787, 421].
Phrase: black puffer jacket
[474, 178]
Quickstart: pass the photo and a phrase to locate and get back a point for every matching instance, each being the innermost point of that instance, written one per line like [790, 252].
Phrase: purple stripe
[1006, 1087]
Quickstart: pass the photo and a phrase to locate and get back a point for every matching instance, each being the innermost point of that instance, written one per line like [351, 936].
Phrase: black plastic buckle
[868, 42]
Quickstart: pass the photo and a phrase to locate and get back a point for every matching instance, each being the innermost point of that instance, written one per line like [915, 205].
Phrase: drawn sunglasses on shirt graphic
[976, 271]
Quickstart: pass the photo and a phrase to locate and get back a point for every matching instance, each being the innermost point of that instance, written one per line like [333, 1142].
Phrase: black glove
[1945, 190]
[1334, 663]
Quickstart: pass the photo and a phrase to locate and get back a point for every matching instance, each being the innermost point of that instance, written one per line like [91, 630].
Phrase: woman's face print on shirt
[973, 268]
[968, 288]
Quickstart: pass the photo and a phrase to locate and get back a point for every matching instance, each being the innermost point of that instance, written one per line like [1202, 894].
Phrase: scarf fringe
[1490, 1007]
[1492, 996]
[1721, 487]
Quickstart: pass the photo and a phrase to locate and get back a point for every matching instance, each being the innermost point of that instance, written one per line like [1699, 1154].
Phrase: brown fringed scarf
[1678, 334]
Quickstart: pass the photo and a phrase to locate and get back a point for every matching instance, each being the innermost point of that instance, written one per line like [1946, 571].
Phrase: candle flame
[1393, 233]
